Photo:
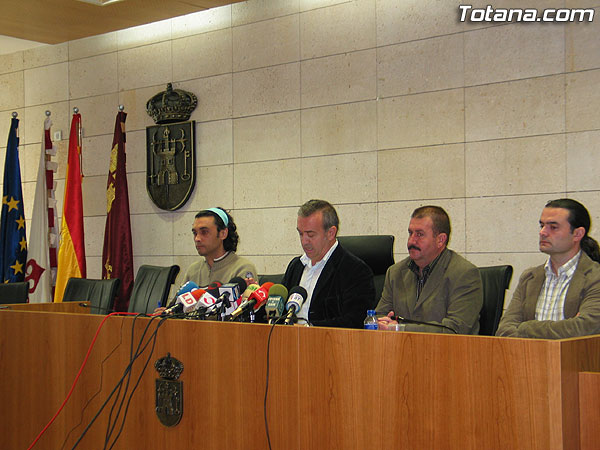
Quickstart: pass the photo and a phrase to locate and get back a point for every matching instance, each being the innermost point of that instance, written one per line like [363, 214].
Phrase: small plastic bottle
[371, 320]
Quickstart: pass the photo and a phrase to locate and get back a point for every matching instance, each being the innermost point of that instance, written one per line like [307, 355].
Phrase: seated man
[434, 284]
[216, 238]
[559, 299]
[339, 285]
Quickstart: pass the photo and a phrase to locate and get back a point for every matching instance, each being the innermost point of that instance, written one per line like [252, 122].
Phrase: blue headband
[222, 214]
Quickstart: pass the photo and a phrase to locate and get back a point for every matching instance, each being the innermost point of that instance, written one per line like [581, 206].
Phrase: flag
[12, 227]
[117, 253]
[42, 232]
[71, 253]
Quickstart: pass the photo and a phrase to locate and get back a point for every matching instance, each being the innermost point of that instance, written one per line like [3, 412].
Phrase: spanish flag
[71, 254]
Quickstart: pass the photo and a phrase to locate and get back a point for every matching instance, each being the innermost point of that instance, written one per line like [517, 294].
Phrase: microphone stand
[225, 303]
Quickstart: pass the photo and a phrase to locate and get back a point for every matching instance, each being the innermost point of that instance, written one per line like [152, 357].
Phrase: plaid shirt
[423, 275]
[551, 301]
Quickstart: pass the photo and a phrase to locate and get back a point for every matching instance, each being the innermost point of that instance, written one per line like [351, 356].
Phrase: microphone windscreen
[214, 292]
[213, 285]
[187, 287]
[240, 282]
[261, 294]
[296, 298]
[276, 302]
[267, 285]
[278, 290]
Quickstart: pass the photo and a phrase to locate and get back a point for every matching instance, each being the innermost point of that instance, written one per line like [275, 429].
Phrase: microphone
[255, 300]
[208, 298]
[261, 295]
[213, 285]
[99, 308]
[226, 297]
[297, 297]
[249, 290]
[185, 301]
[205, 302]
[276, 302]
[418, 322]
[205, 305]
[188, 286]
[234, 288]
[213, 292]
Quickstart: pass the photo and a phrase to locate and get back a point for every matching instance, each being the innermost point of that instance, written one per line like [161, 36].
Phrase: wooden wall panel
[418, 390]
[589, 413]
[223, 377]
[328, 388]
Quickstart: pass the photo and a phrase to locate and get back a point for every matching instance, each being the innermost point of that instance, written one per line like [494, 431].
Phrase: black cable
[267, 380]
[99, 387]
[109, 428]
[153, 337]
[418, 322]
[128, 368]
[132, 356]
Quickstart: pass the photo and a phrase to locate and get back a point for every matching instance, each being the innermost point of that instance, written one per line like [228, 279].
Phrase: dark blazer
[343, 293]
[452, 295]
[581, 309]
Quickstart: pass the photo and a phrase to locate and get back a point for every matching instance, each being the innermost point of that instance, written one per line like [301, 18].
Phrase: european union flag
[13, 243]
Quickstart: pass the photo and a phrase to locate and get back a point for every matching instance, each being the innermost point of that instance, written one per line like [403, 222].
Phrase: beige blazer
[582, 305]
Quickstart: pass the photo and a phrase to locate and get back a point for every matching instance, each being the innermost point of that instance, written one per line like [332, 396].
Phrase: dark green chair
[496, 280]
[274, 278]
[377, 251]
[151, 286]
[100, 293]
[14, 292]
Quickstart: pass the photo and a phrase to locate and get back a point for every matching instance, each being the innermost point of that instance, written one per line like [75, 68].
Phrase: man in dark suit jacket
[339, 285]
[434, 284]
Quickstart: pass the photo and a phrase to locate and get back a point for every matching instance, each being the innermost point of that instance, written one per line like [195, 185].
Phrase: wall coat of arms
[170, 148]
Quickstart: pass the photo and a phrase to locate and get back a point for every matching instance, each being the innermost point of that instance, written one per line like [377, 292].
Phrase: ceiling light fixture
[100, 2]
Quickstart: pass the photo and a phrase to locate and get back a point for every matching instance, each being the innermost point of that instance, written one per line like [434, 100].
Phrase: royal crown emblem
[172, 105]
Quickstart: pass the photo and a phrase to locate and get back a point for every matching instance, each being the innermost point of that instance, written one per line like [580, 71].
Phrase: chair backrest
[14, 292]
[377, 251]
[273, 278]
[100, 293]
[496, 280]
[151, 286]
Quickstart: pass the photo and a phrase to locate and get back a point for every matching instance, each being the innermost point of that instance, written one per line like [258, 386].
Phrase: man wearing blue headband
[216, 238]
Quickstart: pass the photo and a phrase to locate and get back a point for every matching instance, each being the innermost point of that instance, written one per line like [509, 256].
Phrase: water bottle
[371, 320]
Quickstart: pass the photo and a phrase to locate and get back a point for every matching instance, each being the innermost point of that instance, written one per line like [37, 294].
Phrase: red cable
[78, 375]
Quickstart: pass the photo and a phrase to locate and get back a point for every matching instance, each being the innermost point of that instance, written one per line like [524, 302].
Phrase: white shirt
[309, 278]
[551, 301]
